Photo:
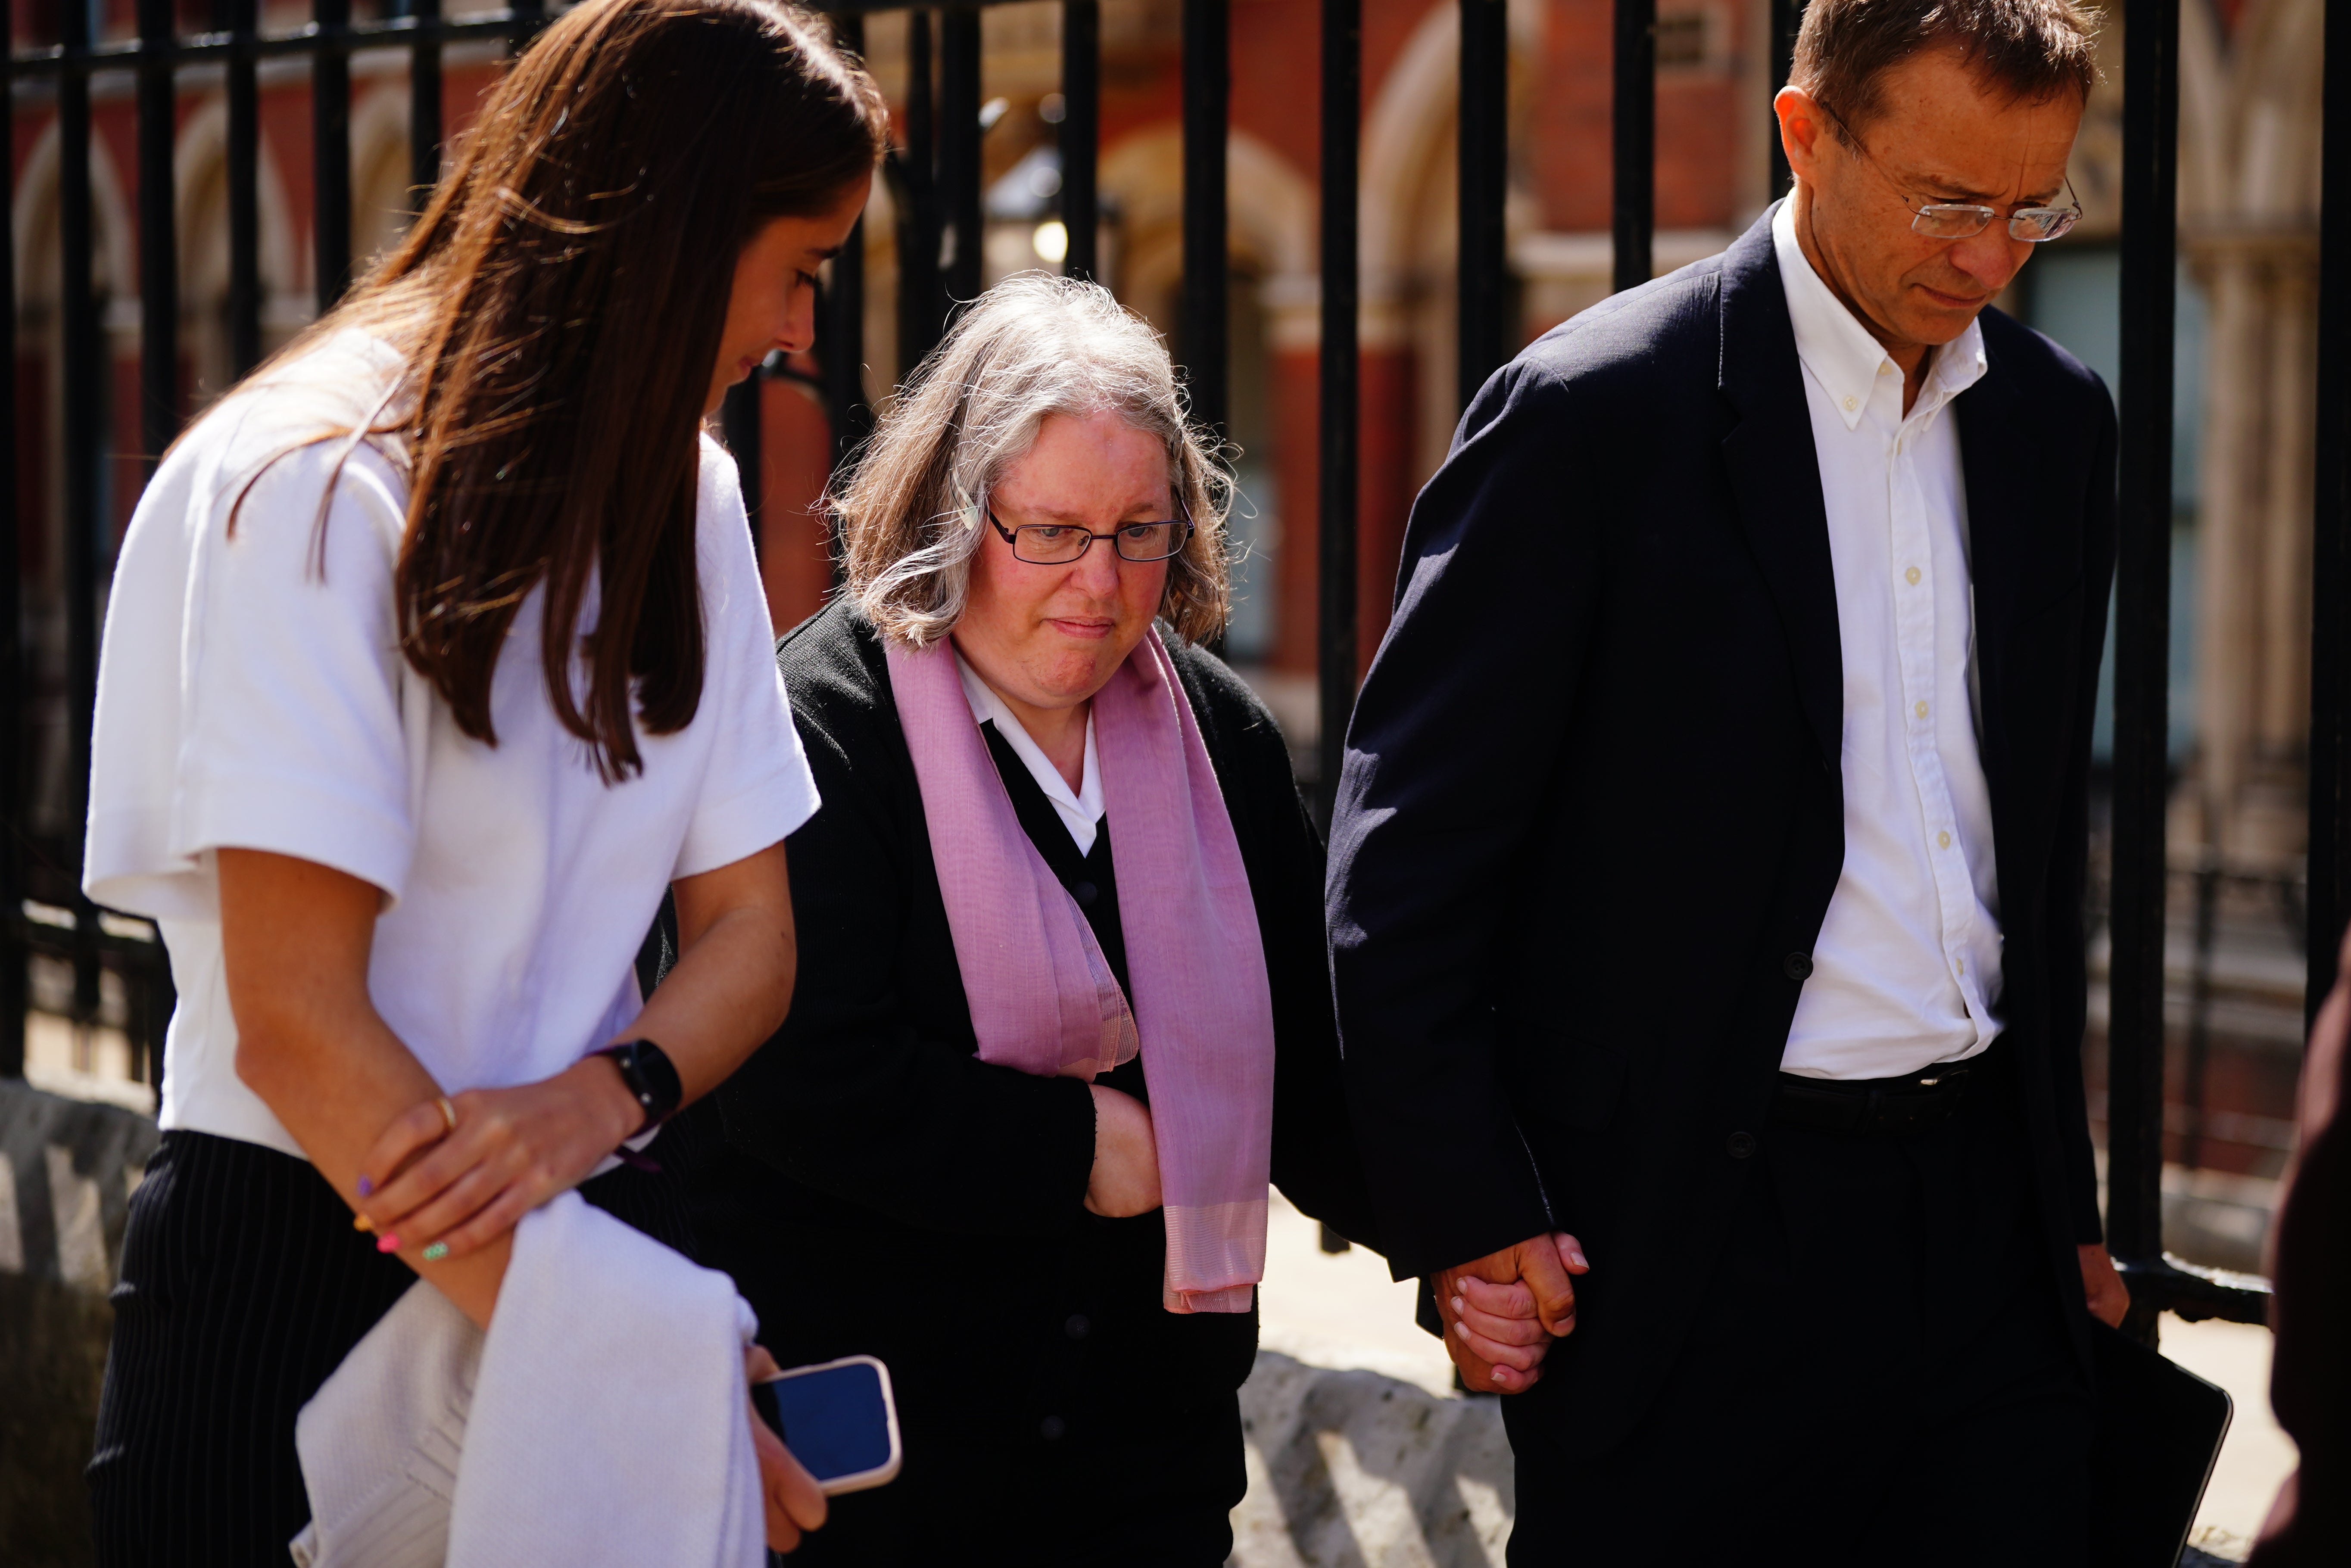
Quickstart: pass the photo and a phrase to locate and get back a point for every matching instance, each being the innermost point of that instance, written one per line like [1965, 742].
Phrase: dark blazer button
[1085, 893]
[1051, 1428]
[1742, 1145]
[1797, 965]
[1077, 1327]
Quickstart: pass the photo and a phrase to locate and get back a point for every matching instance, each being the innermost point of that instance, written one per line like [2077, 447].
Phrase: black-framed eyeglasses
[1964, 220]
[1059, 543]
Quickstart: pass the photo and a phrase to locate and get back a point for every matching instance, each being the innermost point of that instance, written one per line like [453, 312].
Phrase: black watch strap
[646, 1069]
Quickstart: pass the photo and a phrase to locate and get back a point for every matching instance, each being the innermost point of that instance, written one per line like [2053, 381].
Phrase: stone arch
[380, 196]
[1270, 206]
[200, 167]
[37, 216]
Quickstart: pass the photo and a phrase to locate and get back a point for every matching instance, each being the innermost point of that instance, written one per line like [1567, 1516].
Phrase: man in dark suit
[1706, 885]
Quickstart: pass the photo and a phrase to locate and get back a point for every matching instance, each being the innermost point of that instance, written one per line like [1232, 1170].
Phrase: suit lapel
[1996, 527]
[1775, 479]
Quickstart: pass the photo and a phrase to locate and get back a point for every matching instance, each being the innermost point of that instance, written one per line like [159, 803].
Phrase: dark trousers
[1880, 1373]
[243, 1288]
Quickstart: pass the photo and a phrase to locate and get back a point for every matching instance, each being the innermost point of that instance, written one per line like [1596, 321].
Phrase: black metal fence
[935, 180]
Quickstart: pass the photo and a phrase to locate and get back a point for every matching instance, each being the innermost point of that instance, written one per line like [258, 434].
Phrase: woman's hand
[1126, 1157]
[794, 1503]
[511, 1151]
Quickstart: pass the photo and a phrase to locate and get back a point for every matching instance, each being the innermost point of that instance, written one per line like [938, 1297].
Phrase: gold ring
[448, 1112]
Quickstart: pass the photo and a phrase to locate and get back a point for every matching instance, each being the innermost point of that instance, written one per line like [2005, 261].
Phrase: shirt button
[1796, 966]
[1077, 1327]
[1911, 576]
[1085, 893]
[1943, 840]
[1740, 1146]
[1921, 709]
[1962, 965]
[1851, 404]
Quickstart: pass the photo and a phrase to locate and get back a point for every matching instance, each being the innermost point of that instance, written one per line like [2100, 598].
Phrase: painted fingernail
[387, 1244]
[435, 1253]
[361, 1222]
[367, 1188]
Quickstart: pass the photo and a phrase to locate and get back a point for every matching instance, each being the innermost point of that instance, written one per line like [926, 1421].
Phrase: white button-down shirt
[1906, 972]
[1080, 810]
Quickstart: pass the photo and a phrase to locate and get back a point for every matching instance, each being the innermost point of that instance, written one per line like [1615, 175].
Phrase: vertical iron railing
[1207, 112]
[423, 106]
[922, 305]
[1483, 148]
[1080, 143]
[1787, 16]
[81, 351]
[331, 152]
[244, 134]
[1633, 121]
[1337, 406]
[959, 160]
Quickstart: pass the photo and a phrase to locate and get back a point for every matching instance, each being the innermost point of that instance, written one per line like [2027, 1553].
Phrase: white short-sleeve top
[252, 694]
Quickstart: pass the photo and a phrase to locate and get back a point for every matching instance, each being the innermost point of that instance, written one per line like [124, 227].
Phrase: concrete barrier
[66, 1172]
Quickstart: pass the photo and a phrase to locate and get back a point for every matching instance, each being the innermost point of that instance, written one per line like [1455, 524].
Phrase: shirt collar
[1080, 809]
[1839, 350]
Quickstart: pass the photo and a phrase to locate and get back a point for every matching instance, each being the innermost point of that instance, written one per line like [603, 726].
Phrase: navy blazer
[1591, 812]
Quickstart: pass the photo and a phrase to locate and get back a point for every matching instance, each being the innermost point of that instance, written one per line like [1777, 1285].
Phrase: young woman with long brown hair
[436, 652]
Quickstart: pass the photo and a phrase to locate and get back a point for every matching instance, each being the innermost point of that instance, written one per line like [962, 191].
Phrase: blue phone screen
[834, 1421]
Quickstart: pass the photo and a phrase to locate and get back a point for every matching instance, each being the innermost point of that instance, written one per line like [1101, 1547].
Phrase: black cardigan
[872, 1186]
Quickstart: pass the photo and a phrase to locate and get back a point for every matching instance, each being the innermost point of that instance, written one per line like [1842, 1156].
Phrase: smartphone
[839, 1421]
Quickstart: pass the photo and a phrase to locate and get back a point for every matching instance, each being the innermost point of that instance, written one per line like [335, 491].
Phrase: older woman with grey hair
[1063, 1006]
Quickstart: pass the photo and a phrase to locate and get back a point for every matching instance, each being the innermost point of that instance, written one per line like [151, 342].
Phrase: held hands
[450, 1192]
[1502, 1311]
[794, 1503]
[1126, 1157]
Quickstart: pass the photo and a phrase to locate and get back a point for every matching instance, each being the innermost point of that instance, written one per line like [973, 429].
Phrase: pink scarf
[1042, 998]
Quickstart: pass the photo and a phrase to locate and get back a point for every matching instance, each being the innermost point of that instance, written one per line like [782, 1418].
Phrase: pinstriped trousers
[243, 1288]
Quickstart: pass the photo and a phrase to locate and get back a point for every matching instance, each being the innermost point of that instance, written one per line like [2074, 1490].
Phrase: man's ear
[1802, 124]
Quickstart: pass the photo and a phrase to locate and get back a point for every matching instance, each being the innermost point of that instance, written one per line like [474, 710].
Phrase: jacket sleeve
[1449, 760]
[2067, 961]
[851, 1095]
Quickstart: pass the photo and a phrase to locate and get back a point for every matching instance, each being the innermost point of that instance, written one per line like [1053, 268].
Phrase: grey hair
[912, 513]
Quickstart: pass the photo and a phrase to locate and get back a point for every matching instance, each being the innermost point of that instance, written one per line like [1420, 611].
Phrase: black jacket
[874, 1187]
[1591, 815]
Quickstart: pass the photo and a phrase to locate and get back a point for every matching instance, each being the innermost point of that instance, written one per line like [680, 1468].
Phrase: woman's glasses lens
[1054, 544]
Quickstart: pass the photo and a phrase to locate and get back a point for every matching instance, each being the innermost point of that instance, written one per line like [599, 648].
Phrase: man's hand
[1502, 1311]
[2108, 1297]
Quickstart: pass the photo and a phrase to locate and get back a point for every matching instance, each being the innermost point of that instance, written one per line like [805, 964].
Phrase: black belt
[1882, 1106]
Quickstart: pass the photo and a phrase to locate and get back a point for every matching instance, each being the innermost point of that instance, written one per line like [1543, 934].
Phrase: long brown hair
[560, 304]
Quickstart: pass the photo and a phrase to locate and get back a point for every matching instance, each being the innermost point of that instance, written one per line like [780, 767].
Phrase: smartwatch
[646, 1069]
